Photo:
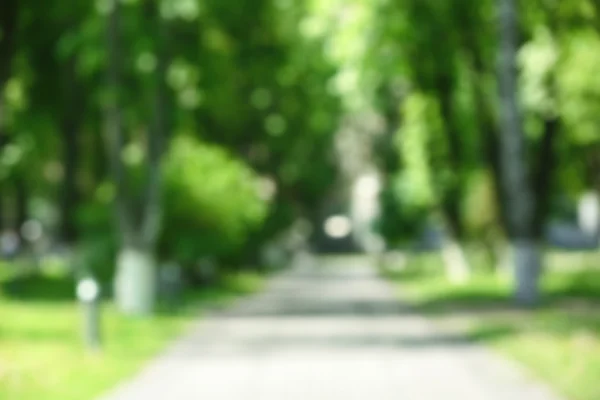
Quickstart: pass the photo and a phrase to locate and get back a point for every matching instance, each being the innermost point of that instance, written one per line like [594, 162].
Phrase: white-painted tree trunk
[135, 281]
[517, 187]
[589, 214]
[528, 268]
[504, 260]
[456, 265]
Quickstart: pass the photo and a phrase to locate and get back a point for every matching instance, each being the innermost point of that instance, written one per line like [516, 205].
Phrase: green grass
[559, 341]
[42, 356]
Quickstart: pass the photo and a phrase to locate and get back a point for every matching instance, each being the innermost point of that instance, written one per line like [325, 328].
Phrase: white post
[88, 293]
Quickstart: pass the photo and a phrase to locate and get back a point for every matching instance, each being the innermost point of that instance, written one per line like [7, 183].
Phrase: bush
[211, 206]
[401, 220]
[212, 202]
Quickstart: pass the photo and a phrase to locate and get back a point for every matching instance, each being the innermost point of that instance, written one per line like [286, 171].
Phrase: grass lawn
[558, 342]
[41, 352]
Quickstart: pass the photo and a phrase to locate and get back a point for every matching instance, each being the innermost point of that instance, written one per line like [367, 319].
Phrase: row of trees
[490, 113]
[155, 130]
[211, 126]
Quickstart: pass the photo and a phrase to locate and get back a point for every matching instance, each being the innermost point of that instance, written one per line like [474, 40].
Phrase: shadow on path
[327, 329]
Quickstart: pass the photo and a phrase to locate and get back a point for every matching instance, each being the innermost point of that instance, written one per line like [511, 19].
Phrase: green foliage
[267, 82]
[212, 201]
[480, 208]
[538, 60]
[399, 221]
[412, 191]
[420, 149]
[580, 87]
[242, 76]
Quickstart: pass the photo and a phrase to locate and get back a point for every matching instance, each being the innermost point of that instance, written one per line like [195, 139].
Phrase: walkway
[326, 331]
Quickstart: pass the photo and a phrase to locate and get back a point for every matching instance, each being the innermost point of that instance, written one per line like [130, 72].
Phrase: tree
[8, 34]
[515, 172]
[135, 280]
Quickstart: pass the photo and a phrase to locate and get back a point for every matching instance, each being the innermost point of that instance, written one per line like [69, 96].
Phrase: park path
[327, 329]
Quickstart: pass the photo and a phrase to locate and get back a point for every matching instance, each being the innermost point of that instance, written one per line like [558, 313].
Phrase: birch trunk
[135, 282]
[516, 185]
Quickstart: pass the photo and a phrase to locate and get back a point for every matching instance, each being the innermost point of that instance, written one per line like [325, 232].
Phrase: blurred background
[176, 152]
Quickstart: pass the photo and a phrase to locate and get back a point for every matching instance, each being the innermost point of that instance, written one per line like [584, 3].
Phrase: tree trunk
[458, 270]
[114, 126]
[70, 130]
[519, 196]
[504, 258]
[452, 199]
[592, 227]
[135, 284]
[544, 174]
[152, 216]
[487, 125]
[21, 200]
[8, 25]
[488, 129]
[70, 193]
[100, 168]
[4, 214]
